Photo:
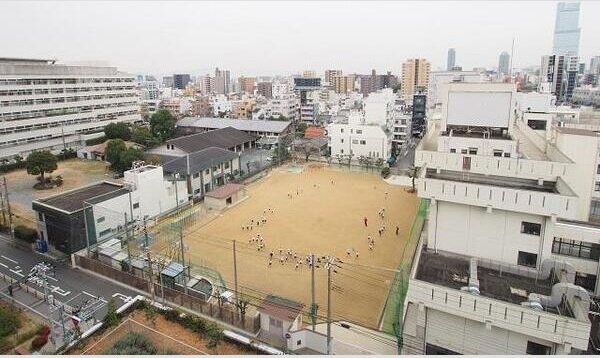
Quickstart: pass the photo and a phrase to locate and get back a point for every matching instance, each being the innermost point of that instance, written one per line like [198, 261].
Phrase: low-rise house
[262, 129]
[227, 138]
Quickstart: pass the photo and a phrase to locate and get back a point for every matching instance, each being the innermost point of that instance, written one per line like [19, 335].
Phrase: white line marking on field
[89, 294]
[51, 278]
[3, 265]
[9, 259]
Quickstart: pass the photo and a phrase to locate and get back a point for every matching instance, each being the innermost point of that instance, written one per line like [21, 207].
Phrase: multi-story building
[264, 89]
[309, 74]
[587, 96]
[357, 139]
[49, 106]
[207, 85]
[561, 73]
[419, 110]
[247, 84]
[415, 76]
[343, 84]
[451, 60]
[504, 64]
[167, 81]
[307, 89]
[201, 107]
[506, 263]
[242, 108]
[222, 81]
[149, 90]
[566, 29]
[71, 220]
[330, 75]
[439, 79]
[180, 81]
[401, 127]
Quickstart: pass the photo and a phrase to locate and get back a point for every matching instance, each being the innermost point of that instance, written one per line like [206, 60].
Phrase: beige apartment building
[343, 84]
[247, 84]
[415, 76]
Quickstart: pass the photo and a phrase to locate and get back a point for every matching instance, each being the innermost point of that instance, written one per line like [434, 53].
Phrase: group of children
[262, 220]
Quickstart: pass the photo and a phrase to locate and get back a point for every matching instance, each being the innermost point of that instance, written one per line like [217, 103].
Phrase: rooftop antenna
[510, 67]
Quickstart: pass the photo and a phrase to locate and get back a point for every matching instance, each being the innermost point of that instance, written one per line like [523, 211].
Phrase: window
[597, 186]
[537, 349]
[363, 142]
[354, 141]
[575, 248]
[473, 151]
[587, 281]
[531, 228]
[342, 140]
[226, 165]
[100, 219]
[136, 205]
[506, 155]
[341, 130]
[527, 259]
[207, 171]
[40, 217]
[452, 150]
[341, 151]
[463, 151]
[196, 175]
[197, 191]
[104, 232]
[298, 342]
[359, 131]
[497, 153]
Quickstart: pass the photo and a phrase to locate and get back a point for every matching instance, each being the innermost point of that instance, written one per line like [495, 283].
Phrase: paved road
[68, 286]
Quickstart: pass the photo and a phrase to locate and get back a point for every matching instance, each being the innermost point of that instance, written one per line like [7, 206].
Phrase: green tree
[141, 135]
[215, 335]
[114, 149]
[40, 163]
[117, 130]
[396, 88]
[300, 129]
[413, 172]
[127, 158]
[162, 125]
[112, 317]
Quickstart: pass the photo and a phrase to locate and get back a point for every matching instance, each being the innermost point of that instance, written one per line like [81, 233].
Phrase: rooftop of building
[73, 200]
[495, 180]
[224, 138]
[577, 131]
[500, 283]
[198, 161]
[225, 191]
[239, 124]
[17, 60]
[280, 307]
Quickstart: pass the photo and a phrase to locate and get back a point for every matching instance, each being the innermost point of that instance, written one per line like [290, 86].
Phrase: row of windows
[575, 248]
[15, 116]
[358, 131]
[30, 102]
[473, 151]
[59, 81]
[101, 117]
[29, 92]
[214, 168]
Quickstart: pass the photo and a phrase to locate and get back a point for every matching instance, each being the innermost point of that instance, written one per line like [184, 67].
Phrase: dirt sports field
[317, 211]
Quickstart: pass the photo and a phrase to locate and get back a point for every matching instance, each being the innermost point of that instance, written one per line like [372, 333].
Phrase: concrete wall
[472, 231]
[308, 339]
[485, 147]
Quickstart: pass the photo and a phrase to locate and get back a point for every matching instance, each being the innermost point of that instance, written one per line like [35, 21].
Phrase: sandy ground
[322, 218]
[75, 173]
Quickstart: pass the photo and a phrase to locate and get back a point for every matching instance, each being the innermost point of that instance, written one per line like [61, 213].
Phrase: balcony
[547, 198]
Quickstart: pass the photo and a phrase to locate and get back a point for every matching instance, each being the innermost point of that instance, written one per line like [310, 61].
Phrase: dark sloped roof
[221, 138]
[199, 160]
[72, 201]
[281, 308]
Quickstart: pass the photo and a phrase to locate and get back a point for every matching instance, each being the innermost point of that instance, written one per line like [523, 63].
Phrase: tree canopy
[141, 135]
[119, 156]
[162, 125]
[117, 130]
[41, 162]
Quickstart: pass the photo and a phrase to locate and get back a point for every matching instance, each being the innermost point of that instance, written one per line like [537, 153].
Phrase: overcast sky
[266, 38]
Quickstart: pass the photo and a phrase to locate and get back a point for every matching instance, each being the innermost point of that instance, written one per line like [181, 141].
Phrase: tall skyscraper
[222, 81]
[451, 61]
[561, 73]
[504, 63]
[566, 29]
[415, 76]
[181, 80]
[594, 65]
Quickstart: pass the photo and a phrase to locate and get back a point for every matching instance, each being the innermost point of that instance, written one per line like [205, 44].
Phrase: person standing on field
[366, 223]
[397, 230]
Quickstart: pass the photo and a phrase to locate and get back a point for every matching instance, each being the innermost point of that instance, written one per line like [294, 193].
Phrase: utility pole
[151, 276]
[2, 208]
[235, 277]
[182, 249]
[313, 306]
[329, 264]
[10, 225]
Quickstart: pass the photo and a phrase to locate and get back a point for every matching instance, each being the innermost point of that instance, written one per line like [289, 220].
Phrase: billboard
[479, 109]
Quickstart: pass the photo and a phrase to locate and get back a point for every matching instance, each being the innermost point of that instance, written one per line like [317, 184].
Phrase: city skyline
[292, 35]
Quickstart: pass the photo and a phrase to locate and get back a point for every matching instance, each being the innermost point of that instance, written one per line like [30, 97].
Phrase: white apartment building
[506, 263]
[378, 107]
[358, 140]
[220, 104]
[44, 105]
